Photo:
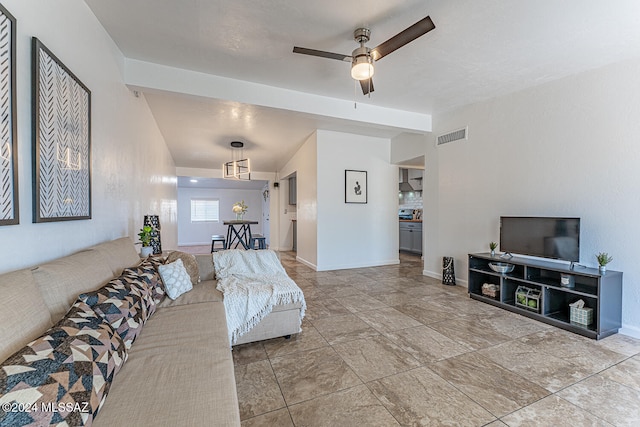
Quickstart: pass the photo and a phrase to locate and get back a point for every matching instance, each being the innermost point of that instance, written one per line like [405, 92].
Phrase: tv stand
[601, 292]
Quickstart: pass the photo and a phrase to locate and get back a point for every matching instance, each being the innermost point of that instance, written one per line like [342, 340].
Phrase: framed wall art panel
[9, 213]
[61, 140]
[355, 186]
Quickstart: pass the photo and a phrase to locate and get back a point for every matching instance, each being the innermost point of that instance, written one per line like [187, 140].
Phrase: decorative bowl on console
[501, 267]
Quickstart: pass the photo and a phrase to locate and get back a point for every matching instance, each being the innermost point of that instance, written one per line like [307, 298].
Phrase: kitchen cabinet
[293, 191]
[411, 237]
[415, 178]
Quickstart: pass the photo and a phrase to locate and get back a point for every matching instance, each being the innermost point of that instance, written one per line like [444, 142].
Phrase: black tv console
[543, 279]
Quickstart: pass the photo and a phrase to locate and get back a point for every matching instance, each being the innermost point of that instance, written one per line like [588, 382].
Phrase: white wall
[407, 146]
[305, 164]
[133, 173]
[567, 148]
[200, 233]
[356, 235]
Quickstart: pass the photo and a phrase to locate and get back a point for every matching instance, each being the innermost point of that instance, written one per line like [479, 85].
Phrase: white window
[205, 210]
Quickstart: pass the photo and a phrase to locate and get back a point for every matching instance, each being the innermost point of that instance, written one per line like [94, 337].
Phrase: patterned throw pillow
[147, 271]
[64, 376]
[189, 262]
[140, 288]
[175, 278]
[126, 303]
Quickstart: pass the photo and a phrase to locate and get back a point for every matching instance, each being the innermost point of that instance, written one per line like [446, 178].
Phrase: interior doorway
[194, 234]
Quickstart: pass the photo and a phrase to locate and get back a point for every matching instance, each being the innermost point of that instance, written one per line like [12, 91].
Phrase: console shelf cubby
[601, 292]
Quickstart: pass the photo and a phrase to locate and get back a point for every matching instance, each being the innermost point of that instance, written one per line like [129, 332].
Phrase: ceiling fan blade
[366, 85]
[321, 53]
[408, 35]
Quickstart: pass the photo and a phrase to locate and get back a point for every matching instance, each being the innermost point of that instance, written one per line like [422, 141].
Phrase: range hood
[404, 186]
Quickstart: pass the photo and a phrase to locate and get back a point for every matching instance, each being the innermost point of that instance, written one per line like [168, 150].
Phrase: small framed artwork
[61, 140]
[355, 186]
[8, 139]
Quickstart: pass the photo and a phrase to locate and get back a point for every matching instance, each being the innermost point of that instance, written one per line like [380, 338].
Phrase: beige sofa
[179, 370]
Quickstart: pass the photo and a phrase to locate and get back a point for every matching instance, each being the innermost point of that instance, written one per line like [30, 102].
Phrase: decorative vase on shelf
[493, 253]
[239, 216]
[603, 269]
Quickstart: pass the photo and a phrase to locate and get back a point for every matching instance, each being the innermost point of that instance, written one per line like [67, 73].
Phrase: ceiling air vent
[453, 136]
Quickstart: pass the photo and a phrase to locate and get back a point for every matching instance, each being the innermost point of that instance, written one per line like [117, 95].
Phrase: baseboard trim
[630, 331]
[307, 263]
[434, 275]
[349, 266]
[431, 274]
[195, 244]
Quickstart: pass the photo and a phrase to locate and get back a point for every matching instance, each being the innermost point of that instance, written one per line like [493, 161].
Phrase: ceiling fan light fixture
[362, 64]
[362, 58]
[362, 70]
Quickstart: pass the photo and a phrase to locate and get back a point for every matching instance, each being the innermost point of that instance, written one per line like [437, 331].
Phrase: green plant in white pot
[145, 236]
[603, 259]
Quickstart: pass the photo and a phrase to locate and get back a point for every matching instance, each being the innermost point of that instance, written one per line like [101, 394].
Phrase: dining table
[239, 232]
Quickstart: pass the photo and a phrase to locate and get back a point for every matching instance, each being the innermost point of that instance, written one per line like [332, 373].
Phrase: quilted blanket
[253, 282]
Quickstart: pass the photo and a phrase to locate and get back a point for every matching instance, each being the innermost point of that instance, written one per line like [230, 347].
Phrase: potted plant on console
[493, 246]
[603, 259]
[145, 235]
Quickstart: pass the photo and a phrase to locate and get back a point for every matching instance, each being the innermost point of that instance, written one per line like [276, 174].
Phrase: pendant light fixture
[238, 167]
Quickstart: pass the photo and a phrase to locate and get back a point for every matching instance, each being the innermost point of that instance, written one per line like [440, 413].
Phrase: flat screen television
[557, 238]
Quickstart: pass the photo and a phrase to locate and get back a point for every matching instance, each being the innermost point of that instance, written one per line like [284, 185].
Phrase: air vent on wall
[453, 136]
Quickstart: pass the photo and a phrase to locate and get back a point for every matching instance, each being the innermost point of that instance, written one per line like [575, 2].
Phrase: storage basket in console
[528, 298]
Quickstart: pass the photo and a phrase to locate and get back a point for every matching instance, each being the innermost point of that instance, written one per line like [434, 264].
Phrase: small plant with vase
[493, 246]
[239, 208]
[145, 236]
[603, 259]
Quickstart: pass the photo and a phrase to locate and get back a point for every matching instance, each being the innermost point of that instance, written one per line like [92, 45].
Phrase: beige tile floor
[386, 346]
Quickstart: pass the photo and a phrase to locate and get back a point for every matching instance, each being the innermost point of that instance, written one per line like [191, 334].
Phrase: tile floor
[386, 346]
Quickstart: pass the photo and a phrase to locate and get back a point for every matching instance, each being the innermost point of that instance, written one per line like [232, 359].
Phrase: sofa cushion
[23, 313]
[204, 292]
[237, 261]
[125, 303]
[61, 281]
[179, 373]
[205, 267]
[175, 278]
[65, 374]
[189, 262]
[119, 254]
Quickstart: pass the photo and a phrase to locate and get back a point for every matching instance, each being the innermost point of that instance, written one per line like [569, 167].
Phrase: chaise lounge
[163, 361]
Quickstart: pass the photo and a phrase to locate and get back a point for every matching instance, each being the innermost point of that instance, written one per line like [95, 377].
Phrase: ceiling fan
[362, 58]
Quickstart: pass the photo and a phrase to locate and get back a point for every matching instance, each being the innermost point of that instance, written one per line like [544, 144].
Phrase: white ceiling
[479, 50]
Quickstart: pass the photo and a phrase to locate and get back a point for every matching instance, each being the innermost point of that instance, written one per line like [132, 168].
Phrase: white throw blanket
[253, 282]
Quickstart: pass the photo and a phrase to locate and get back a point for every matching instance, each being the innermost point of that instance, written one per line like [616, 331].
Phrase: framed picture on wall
[61, 140]
[355, 186]
[8, 139]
